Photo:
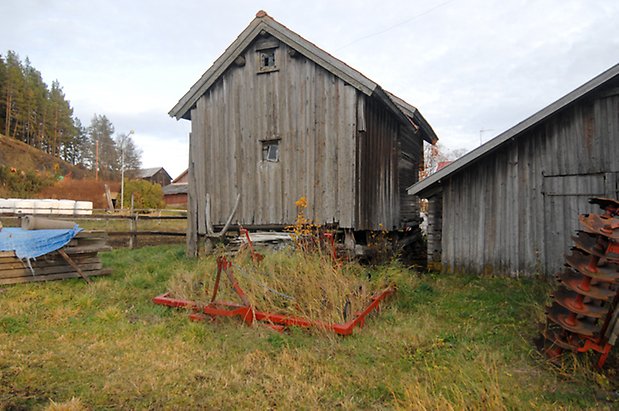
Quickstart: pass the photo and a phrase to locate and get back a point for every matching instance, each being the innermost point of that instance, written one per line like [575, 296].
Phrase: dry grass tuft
[302, 281]
[74, 404]
[460, 388]
[291, 282]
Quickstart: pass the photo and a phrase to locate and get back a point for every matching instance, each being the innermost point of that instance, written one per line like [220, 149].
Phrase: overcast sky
[471, 67]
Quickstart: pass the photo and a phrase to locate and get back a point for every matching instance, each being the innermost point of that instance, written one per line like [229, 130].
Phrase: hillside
[26, 172]
[24, 157]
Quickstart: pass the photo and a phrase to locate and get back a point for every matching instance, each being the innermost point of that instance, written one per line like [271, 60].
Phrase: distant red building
[175, 194]
[442, 164]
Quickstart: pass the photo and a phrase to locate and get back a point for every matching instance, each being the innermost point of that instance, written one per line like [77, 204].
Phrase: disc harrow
[584, 312]
[278, 322]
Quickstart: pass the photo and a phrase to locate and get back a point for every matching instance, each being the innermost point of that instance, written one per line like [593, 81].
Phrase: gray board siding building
[156, 175]
[276, 118]
[511, 205]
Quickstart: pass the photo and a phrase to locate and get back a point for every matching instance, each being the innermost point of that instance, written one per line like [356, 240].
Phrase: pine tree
[13, 87]
[42, 116]
[62, 129]
[35, 102]
[3, 74]
[80, 147]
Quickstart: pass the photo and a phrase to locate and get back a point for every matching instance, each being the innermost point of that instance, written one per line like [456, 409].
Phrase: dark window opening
[267, 60]
[270, 150]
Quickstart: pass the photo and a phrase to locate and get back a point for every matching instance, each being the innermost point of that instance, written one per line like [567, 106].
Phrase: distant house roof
[147, 172]
[180, 176]
[172, 189]
[471, 157]
[442, 164]
[264, 23]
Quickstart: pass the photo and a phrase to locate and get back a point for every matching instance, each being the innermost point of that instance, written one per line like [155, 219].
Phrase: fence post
[108, 197]
[134, 237]
[133, 226]
[131, 230]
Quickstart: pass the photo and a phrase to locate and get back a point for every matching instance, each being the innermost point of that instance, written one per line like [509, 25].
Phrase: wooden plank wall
[435, 225]
[514, 211]
[564, 198]
[195, 146]
[410, 148]
[312, 112]
[378, 154]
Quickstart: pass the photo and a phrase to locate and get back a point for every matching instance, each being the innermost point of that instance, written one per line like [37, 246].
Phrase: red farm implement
[250, 315]
[584, 315]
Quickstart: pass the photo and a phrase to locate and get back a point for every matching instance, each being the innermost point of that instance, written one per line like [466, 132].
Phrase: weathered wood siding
[311, 111]
[192, 193]
[161, 177]
[387, 160]
[410, 147]
[183, 179]
[515, 210]
[434, 231]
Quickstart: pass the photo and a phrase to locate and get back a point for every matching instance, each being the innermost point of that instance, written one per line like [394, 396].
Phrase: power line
[397, 25]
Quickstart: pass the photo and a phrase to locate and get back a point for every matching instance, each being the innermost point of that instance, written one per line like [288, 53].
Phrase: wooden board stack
[83, 249]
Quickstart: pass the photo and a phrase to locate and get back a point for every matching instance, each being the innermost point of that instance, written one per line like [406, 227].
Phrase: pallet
[83, 250]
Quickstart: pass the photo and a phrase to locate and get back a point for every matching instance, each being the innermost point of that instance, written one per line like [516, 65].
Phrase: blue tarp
[34, 243]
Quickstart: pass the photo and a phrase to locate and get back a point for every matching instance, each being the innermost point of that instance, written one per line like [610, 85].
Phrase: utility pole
[97, 160]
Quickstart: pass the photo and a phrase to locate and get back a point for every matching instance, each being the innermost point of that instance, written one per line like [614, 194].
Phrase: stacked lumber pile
[83, 250]
[261, 240]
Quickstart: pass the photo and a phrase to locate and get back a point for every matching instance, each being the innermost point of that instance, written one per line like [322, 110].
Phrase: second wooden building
[277, 118]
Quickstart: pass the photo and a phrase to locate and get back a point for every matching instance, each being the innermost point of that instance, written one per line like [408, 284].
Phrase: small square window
[267, 59]
[270, 150]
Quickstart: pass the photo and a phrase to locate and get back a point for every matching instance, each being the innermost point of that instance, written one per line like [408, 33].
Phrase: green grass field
[443, 342]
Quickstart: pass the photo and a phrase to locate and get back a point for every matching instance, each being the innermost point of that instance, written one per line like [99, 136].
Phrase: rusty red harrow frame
[250, 315]
[584, 315]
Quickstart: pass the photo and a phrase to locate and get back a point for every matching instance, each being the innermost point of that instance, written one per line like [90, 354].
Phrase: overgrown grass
[443, 342]
[290, 281]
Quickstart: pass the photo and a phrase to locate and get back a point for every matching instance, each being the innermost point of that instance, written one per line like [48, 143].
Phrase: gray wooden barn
[157, 175]
[511, 205]
[276, 118]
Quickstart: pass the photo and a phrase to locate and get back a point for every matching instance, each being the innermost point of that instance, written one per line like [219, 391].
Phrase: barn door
[564, 198]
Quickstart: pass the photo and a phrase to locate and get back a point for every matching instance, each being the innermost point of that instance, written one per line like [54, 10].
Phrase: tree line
[41, 116]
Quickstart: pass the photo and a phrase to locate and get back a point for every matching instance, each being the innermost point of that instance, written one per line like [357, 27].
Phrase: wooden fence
[139, 223]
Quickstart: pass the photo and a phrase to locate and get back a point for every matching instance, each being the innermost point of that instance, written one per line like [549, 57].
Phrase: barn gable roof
[180, 176]
[176, 188]
[514, 132]
[408, 114]
[146, 172]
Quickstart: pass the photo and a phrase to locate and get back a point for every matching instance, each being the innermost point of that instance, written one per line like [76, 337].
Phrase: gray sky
[468, 65]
